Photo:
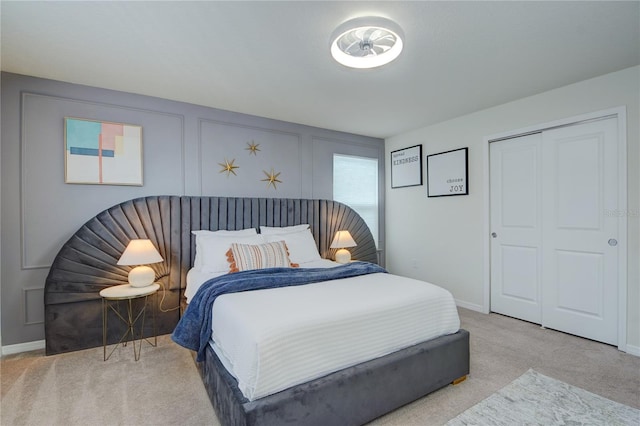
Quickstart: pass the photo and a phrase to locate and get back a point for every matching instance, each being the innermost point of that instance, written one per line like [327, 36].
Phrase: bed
[357, 391]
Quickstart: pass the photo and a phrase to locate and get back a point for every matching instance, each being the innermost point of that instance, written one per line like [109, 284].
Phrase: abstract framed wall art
[447, 173]
[406, 167]
[102, 153]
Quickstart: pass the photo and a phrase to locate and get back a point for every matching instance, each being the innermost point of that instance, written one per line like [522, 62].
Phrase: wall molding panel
[43, 121]
[31, 304]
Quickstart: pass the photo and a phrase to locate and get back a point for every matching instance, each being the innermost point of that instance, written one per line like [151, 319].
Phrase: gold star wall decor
[253, 148]
[271, 178]
[229, 167]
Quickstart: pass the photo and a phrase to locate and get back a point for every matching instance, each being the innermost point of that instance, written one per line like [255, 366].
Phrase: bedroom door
[554, 257]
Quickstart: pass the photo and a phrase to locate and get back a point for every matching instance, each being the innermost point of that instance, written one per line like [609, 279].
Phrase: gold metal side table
[111, 298]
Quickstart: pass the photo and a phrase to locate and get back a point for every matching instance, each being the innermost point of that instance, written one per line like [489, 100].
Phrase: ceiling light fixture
[366, 42]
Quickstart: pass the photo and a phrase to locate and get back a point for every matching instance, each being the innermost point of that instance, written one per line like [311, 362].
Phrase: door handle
[494, 235]
[612, 242]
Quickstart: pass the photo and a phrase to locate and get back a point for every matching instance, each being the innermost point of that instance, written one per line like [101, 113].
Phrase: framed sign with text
[406, 167]
[448, 173]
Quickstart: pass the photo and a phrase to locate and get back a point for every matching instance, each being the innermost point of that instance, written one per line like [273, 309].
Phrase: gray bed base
[353, 396]
[87, 263]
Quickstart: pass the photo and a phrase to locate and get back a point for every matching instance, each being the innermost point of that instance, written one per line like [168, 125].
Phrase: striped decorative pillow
[243, 257]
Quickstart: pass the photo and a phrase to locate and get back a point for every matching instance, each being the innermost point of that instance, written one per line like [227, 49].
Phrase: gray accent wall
[183, 145]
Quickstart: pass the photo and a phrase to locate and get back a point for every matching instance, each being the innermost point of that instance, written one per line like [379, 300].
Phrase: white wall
[440, 240]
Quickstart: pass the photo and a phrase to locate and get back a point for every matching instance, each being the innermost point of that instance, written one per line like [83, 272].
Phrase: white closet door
[515, 187]
[580, 185]
[554, 252]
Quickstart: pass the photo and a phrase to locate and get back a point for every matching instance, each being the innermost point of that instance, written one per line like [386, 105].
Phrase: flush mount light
[366, 42]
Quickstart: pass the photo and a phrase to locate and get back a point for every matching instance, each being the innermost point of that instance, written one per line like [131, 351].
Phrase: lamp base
[141, 276]
[343, 256]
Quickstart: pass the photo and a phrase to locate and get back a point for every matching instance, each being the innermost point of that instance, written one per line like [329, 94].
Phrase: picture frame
[448, 173]
[406, 167]
[102, 152]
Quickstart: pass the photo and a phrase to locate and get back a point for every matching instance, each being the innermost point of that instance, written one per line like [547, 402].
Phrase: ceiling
[272, 59]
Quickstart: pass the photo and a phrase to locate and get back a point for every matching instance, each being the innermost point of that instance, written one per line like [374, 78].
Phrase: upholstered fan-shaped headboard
[86, 263]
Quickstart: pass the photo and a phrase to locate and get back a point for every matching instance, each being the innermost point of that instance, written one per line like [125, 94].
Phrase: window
[355, 183]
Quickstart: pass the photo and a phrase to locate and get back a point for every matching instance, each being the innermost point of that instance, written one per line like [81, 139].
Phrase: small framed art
[447, 173]
[102, 153]
[406, 167]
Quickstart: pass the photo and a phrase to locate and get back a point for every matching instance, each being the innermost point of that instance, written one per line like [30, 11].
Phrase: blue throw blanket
[194, 329]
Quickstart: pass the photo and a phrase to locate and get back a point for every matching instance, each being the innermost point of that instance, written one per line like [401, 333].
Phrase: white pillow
[302, 247]
[197, 262]
[270, 230]
[211, 250]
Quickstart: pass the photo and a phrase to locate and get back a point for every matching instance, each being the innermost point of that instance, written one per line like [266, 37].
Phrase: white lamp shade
[140, 252]
[343, 239]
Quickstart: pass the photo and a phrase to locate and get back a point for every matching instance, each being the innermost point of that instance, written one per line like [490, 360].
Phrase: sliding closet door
[580, 185]
[516, 227]
[554, 251]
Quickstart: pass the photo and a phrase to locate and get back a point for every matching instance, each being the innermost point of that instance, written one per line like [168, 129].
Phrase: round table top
[126, 291]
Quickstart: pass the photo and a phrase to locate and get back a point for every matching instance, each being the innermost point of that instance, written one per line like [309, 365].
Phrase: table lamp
[342, 240]
[140, 252]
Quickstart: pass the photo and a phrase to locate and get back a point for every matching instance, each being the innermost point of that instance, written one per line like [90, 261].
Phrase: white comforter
[273, 339]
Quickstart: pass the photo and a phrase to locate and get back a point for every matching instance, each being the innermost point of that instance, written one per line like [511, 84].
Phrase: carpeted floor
[79, 388]
[164, 387]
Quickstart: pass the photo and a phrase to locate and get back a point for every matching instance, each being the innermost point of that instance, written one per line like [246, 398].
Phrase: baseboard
[633, 350]
[23, 347]
[471, 306]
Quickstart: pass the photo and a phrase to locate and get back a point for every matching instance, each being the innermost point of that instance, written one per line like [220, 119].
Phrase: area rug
[535, 399]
